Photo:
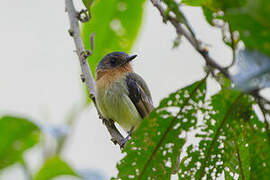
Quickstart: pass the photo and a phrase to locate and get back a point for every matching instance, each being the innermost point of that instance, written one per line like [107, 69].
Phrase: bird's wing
[139, 94]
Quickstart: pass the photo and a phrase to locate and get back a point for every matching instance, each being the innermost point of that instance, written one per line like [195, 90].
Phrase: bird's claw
[124, 141]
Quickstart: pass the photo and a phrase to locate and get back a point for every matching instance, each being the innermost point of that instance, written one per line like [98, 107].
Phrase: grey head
[114, 60]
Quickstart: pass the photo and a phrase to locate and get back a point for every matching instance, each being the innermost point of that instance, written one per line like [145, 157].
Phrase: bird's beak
[130, 58]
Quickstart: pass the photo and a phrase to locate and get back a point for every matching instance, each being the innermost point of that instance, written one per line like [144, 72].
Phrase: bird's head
[115, 60]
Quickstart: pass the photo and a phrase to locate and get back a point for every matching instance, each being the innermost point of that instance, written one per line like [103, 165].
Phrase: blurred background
[40, 76]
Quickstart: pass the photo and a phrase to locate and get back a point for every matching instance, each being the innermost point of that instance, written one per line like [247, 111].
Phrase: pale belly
[115, 104]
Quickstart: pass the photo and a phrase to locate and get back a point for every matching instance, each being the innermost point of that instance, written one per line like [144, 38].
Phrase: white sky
[40, 74]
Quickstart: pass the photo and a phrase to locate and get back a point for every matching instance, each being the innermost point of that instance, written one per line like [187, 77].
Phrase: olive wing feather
[139, 94]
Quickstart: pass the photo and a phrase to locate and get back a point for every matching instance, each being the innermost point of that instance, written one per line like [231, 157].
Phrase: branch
[87, 77]
[191, 38]
[202, 50]
[180, 30]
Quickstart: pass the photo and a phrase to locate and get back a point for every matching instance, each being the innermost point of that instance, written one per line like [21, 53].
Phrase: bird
[121, 94]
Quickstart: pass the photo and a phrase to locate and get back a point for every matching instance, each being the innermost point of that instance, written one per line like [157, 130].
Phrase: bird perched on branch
[121, 94]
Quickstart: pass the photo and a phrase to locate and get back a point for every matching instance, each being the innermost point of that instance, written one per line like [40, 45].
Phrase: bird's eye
[113, 61]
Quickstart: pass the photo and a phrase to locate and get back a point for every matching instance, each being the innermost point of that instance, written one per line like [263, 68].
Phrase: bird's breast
[114, 103]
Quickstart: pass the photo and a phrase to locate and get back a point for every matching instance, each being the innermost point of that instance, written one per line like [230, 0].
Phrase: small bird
[121, 94]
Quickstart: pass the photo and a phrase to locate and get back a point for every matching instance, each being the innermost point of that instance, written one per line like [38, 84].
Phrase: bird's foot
[125, 140]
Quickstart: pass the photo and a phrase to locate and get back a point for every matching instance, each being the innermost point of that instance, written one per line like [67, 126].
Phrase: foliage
[115, 24]
[155, 146]
[54, 167]
[250, 18]
[16, 136]
[191, 134]
[226, 138]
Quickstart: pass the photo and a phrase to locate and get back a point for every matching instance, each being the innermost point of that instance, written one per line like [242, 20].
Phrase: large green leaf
[199, 157]
[16, 135]
[116, 24]
[192, 2]
[54, 167]
[259, 148]
[252, 22]
[250, 18]
[228, 142]
[156, 144]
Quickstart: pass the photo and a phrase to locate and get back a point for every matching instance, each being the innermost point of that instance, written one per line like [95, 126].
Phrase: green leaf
[16, 136]
[156, 144]
[250, 18]
[231, 141]
[259, 148]
[252, 22]
[200, 157]
[208, 15]
[116, 25]
[54, 167]
[192, 2]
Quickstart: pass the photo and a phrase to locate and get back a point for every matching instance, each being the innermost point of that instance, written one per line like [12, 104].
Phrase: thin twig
[258, 97]
[197, 45]
[74, 31]
[192, 39]
[212, 64]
